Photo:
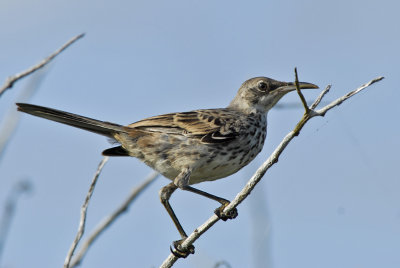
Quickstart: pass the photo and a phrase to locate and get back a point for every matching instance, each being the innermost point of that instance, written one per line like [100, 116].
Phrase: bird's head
[260, 94]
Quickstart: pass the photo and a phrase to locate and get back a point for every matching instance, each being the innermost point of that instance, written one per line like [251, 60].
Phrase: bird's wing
[210, 126]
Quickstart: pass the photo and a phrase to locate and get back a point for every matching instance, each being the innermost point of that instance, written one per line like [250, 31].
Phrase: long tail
[100, 127]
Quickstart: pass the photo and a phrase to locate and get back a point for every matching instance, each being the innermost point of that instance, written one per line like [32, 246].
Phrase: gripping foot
[225, 216]
[179, 252]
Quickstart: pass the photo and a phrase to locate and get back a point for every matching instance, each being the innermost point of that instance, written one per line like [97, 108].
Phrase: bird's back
[213, 143]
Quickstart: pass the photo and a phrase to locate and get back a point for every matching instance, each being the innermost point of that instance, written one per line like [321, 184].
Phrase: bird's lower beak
[291, 86]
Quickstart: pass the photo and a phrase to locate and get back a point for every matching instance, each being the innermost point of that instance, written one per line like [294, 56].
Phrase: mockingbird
[191, 147]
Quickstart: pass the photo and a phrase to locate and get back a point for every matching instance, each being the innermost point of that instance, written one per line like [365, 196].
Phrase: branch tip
[303, 100]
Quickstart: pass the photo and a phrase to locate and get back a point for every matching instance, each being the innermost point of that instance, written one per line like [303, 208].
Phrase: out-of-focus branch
[221, 264]
[82, 221]
[11, 119]
[291, 105]
[21, 187]
[241, 196]
[14, 78]
[107, 221]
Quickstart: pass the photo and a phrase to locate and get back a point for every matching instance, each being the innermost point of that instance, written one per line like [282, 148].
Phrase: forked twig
[309, 113]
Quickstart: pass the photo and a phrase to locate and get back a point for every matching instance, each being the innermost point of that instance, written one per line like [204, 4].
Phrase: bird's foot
[226, 215]
[179, 252]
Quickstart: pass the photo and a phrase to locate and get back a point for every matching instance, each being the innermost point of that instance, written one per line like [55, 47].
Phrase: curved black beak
[290, 86]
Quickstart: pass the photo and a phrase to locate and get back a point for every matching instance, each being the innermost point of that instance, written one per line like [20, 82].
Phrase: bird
[194, 146]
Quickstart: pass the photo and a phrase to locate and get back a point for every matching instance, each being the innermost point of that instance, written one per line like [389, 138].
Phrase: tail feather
[100, 127]
[116, 151]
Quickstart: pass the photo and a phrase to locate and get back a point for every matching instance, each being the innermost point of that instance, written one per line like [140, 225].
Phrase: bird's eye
[262, 86]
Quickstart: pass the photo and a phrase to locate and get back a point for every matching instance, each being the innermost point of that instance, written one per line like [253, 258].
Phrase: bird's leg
[165, 193]
[220, 210]
[183, 183]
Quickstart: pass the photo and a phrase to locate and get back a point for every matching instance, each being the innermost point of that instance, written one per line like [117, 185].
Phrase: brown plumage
[191, 147]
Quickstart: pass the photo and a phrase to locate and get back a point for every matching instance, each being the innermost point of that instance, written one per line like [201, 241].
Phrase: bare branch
[171, 259]
[107, 221]
[82, 221]
[14, 78]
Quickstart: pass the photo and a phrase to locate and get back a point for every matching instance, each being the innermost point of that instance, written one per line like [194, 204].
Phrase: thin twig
[107, 221]
[320, 97]
[82, 221]
[14, 78]
[303, 100]
[241, 196]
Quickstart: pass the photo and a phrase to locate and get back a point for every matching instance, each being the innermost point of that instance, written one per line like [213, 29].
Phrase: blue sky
[331, 201]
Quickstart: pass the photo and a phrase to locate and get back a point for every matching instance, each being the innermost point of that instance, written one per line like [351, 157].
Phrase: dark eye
[262, 86]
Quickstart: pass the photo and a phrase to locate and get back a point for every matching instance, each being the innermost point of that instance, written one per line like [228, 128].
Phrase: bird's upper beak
[290, 86]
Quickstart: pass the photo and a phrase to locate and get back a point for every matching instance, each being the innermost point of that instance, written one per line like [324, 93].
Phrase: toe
[179, 252]
[226, 215]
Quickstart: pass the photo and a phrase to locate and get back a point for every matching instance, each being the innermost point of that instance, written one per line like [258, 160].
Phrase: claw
[179, 252]
[226, 215]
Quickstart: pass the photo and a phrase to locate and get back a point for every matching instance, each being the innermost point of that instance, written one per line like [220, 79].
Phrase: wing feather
[209, 126]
